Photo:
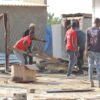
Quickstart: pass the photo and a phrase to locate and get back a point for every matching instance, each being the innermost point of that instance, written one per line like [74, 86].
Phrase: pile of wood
[50, 64]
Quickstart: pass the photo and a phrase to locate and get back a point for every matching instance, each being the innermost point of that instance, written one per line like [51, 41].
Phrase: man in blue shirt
[81, 47]
[81, 44]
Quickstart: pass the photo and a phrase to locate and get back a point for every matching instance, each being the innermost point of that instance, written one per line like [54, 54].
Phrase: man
[71, 47]
[93, 47]
[31, 30]
[21, 47]
[81, 47]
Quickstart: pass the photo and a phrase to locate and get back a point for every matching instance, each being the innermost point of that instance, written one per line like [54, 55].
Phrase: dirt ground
[52, 82]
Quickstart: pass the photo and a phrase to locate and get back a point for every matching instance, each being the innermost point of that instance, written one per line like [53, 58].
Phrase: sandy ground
[47, 82]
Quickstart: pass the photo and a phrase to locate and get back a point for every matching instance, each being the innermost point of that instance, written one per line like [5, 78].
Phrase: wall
[19, 19]
[86, 23]
[96, 9]
[58, 36]
[36, 1]
[57, 40]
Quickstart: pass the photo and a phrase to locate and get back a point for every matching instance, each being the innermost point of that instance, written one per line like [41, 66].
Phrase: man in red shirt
[21, 47]
[71, 47]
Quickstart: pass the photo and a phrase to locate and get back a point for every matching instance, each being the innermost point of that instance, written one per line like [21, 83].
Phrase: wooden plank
[69, 90]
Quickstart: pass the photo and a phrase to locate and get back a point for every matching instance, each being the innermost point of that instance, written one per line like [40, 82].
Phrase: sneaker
[80, 72]
[71, 76]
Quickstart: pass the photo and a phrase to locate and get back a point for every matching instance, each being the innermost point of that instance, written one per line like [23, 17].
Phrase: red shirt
[71, 34]
[19, 44]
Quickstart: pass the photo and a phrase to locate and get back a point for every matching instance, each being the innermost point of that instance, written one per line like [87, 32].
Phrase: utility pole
[6, 35]
[6, 43]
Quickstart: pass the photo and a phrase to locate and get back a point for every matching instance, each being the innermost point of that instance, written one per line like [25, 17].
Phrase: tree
[51, 19]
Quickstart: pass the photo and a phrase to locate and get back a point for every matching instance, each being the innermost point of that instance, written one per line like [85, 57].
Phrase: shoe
[71, 76]
[80, 72]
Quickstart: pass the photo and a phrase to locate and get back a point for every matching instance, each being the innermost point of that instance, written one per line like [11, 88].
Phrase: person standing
[81, 39]
[93, 50]
[71, 47]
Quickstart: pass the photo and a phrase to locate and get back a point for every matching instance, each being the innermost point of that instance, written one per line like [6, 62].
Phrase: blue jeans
[93, 60]
[72, 61]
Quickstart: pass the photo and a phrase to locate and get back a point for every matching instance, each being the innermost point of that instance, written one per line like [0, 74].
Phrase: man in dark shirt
[31, 30]
[81, 47]
[93, 48]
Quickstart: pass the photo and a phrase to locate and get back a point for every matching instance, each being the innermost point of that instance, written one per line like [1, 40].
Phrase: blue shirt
[81, 39]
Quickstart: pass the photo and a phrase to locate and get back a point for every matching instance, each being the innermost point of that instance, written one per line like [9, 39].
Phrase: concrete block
[21, 73]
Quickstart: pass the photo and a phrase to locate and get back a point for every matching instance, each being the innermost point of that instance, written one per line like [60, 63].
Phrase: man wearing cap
[30, 30]
[71, 47]
[21, 46]
[81, 38]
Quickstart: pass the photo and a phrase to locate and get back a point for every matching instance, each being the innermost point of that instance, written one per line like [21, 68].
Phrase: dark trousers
[28, 59]
[80, 59]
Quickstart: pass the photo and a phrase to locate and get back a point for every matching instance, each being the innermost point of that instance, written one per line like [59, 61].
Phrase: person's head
[32, 26]
[74, 23]
[97, 22]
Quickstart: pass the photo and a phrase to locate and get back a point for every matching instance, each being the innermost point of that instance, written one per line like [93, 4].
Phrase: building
[96, 8]
[36, 1]
[58, 31]
[20, 15]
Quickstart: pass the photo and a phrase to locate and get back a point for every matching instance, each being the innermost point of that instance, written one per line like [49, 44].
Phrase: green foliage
[51, 19]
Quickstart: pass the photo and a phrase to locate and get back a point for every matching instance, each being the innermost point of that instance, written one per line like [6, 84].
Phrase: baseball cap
[31, 25]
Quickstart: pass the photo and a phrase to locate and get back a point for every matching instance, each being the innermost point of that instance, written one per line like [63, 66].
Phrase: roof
[20, 3]
[77, 15]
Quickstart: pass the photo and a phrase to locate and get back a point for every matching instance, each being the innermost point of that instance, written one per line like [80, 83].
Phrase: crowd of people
[78, 44]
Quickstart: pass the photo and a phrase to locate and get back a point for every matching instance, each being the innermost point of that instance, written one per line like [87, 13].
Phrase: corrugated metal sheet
[77, 15]
[12, 58]
[20, 3]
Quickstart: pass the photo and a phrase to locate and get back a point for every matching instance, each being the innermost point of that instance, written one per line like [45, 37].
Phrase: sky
[59, 7]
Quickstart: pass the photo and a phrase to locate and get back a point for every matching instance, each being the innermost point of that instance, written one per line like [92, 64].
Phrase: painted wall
[19, 19]
[36, 1]
[96, 9]
[57, 41]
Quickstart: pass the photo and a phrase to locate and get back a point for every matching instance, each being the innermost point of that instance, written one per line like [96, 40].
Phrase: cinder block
[19, 96]
[20, 73]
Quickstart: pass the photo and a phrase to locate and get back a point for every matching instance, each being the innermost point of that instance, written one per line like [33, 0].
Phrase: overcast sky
[69, 6]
